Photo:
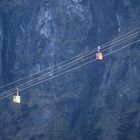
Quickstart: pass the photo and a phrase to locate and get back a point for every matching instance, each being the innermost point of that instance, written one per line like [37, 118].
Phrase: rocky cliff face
[37, 34]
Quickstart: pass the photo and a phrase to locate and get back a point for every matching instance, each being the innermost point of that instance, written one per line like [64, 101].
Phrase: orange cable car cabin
[99, 55]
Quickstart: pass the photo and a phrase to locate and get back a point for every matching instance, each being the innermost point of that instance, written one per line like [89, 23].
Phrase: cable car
[16, 98]
[99, 55]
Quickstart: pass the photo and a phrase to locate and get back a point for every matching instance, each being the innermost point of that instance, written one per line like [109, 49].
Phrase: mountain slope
[96, 102]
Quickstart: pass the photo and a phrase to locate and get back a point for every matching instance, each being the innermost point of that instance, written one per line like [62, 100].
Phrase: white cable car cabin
[16, 98]
[99, 55]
